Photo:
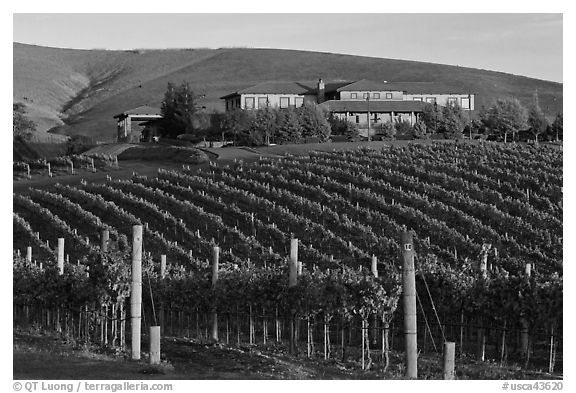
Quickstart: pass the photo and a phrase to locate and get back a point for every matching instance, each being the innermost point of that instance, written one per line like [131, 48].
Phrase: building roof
[275, 88]
[311, 87]
[426, 88]
[375, 106]
[301, 88]
[405, 87]
[367, 85]
[141, 110]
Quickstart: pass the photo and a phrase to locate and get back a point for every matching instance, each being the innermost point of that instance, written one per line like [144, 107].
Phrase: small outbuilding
[143, 116]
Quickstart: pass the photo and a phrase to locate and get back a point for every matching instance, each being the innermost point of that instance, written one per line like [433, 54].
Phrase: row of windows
[374, 95]
[464, 101]
[375, 119]
[263, 102]
[231, 104]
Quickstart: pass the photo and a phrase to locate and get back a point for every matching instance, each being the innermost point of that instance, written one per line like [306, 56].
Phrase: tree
[536, 119]
[21, 125]
[419, 129]
[453, 121]
[340, 126]
[431, 116]
[261, 129]
[351, 131]
[179, 110]
[289, 128]
[267, 119]
[236, 124]
[557, 126]
[505, 116]
[403, 128]
[313, 122]
[388, 129]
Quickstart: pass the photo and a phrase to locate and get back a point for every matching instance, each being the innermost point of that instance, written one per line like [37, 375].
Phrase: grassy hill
[73, 91]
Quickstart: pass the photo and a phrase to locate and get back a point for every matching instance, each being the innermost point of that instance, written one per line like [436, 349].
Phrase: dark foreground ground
[38, 356]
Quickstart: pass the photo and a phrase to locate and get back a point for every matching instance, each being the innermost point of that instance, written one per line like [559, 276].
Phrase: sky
[522, 44]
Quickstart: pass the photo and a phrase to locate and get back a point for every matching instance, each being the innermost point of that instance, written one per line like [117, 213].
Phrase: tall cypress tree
[536, 119]
[178, 110]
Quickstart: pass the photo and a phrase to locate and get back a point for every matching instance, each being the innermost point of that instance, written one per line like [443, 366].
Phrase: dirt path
[46, 357]
[39, 356]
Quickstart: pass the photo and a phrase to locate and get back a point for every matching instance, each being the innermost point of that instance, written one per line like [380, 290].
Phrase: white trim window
[465, 103]
[249, 102]
[262, 102]
[354, 95]
[366, 96]
[417, 99]
[376, 96]
[298, 102]
[452, 100]
[388, 96]
[430, 100]
[284, 102]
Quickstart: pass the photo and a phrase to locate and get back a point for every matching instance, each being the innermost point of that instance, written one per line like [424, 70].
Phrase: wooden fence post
[374, 266]
[524, 332]
[409, 300]
[215, 260]
[449, 353]
[154, 345]
[60, 255]
[292, 281]
[136, 291]
[374, 270]
[162, 266]
[104, 239]
[162, 311]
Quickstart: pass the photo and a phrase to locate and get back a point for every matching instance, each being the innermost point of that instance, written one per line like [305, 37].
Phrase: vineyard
[486, 222]
[62, 165]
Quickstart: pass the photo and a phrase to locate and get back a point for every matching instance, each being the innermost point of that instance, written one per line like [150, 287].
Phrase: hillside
[79, 91]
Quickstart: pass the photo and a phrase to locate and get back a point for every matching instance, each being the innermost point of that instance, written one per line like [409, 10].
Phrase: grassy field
[81, 90]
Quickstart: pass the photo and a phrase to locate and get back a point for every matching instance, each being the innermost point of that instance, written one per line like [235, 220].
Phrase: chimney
[320, 91]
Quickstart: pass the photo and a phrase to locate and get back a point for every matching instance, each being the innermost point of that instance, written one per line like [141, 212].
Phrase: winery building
[133, 123]
[355, 101]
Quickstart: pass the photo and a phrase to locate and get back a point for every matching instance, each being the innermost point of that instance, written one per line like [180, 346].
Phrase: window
[262, 102]
[388, 96]
[238, 103]
[299, 101]
[452, 100]
[376, 96]
[227, 104]
[465, 103]
[430, 100]
[357, 119]
[284, 102]
[353, 95]
[417, 98]
[249, 103]
[366, 95]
